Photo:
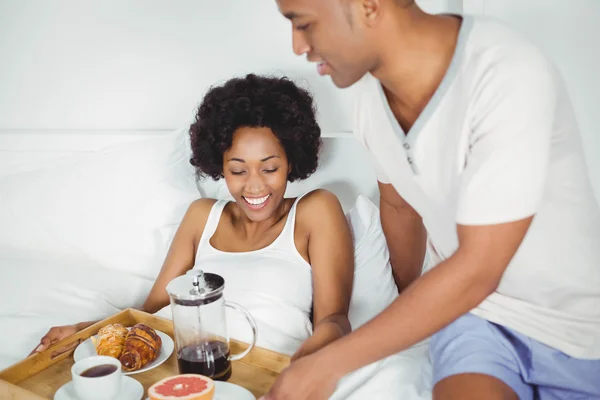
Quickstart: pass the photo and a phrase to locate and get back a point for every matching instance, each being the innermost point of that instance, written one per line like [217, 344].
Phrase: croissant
[110, 340]
[141, 347]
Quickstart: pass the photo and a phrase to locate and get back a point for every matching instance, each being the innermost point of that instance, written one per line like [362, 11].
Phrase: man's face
[330, 33]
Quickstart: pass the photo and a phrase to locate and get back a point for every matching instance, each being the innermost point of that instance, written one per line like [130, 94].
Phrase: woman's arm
[179, 259]
[331, 255]
[181, 255]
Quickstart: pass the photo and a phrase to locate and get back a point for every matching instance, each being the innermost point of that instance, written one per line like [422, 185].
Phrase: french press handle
[252, 324]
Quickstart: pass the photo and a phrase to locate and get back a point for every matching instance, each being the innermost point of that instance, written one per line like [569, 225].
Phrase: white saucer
[87, 349]
[230, 391]
[130, 390]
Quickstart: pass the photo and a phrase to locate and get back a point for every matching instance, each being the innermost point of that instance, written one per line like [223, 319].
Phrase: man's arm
[501, 189]
[405, 235]
[440, 296]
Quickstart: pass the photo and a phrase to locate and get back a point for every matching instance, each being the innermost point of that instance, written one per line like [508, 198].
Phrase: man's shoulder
[495, 50]
[502, 64]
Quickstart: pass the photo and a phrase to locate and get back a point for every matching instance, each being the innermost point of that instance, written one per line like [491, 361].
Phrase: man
[478, 157]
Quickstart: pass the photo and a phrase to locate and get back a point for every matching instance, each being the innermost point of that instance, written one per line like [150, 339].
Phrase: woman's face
[256, 171]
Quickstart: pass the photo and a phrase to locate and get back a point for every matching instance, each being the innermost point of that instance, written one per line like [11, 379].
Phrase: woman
[284, 259]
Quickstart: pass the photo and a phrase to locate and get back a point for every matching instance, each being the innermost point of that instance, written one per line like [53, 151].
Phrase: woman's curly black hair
[256, 101]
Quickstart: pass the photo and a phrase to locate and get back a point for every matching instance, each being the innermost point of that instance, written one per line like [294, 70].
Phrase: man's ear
[371, 11]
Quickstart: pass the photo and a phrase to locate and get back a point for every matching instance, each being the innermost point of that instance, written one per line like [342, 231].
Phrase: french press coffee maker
[200, 327]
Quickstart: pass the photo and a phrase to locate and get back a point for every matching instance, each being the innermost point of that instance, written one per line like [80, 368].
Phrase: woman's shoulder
[202, 205]
[319, 197]
[196, 217]
[199, 209]
[318, 204]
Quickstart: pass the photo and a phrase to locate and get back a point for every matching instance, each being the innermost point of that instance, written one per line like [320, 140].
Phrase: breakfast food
[184, 387]
[135, 347]
[141, 347]
[110, 340]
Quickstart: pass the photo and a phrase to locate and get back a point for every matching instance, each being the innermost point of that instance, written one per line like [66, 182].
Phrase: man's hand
[308, 378]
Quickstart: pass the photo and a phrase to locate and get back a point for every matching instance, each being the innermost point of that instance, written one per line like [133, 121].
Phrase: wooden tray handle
[58, 351]
[71, 344]
[40, 361]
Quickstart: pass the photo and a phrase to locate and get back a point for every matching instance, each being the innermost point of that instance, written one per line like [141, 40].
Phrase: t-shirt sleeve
[507, 163]
[379, 172]
[360, 125]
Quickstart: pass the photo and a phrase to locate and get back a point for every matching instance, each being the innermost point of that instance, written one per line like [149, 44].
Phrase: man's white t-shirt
[499, 142]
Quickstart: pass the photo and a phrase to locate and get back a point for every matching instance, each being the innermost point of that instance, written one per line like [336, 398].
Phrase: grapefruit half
[183, 387]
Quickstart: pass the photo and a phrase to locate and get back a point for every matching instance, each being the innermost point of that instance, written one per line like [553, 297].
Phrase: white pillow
[107, 209]
[374, 285]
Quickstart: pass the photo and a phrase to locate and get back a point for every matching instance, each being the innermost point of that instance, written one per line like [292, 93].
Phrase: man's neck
[415, 58]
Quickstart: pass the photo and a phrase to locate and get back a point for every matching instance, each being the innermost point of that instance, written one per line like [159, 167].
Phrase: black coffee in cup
[99, 370]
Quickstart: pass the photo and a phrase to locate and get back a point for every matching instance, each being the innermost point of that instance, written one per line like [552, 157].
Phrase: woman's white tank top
[273, 283]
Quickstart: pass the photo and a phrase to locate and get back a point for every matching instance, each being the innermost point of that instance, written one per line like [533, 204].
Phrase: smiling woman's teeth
[257, 201]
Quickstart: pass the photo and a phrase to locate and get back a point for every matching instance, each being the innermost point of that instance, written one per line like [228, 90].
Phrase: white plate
[130, 390]
[87, 349]
[229, 391]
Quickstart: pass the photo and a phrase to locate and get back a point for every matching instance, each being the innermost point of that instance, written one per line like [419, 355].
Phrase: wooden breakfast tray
[41, 375]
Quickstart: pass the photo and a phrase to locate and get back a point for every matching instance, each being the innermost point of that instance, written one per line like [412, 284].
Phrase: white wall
[139, 64]
[143, 64]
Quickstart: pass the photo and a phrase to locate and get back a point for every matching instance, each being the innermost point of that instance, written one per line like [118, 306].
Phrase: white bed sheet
[37, 292]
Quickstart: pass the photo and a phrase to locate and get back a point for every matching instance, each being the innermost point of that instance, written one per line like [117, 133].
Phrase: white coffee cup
[103, 387]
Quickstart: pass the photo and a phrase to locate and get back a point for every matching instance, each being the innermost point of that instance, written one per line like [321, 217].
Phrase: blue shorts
[533, 370]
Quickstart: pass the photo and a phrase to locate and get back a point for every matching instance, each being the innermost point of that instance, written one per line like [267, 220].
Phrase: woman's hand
[326, 331]
[54, 335]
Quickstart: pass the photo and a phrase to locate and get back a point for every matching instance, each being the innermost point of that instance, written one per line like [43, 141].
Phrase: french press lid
[196, 287]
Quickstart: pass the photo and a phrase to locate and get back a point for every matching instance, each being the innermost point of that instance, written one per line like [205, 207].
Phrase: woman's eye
[237, 172]
[270, 171]
[303, 27]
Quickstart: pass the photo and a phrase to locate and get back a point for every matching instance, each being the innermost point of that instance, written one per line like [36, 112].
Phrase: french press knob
[197, 279]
